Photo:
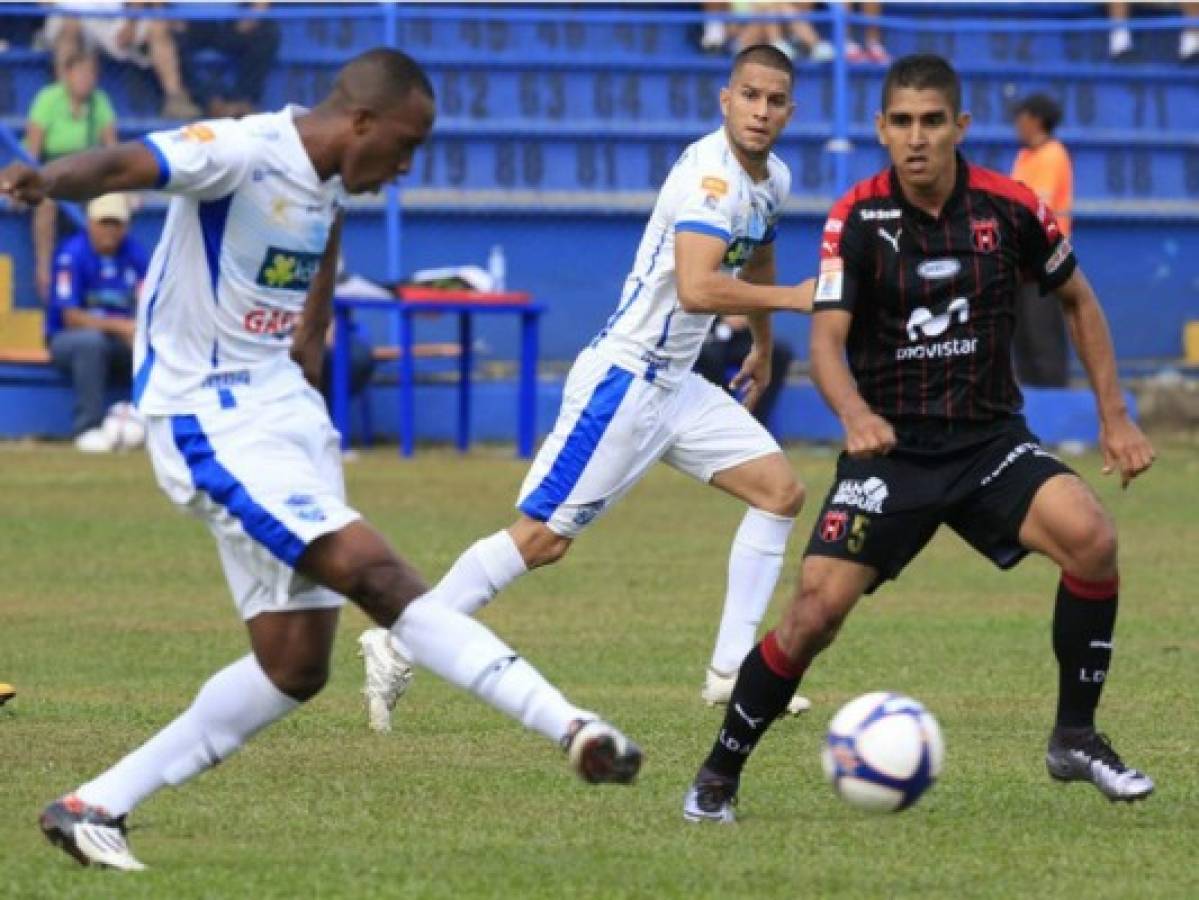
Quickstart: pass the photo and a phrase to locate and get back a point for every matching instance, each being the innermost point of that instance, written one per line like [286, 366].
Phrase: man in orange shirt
[1040, 347]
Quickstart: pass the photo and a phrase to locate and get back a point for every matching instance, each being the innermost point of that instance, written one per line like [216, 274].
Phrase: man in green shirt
[70, 115]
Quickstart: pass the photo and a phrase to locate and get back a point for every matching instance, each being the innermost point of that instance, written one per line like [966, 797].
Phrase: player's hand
[754, 375]
[23, 184]
[1126, 448]
[805, 291]
[868, 434]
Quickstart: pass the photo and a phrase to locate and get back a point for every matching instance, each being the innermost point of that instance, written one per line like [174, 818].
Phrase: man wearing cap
[90, 321]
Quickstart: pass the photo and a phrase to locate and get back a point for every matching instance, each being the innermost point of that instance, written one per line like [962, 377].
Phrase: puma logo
[893, 241]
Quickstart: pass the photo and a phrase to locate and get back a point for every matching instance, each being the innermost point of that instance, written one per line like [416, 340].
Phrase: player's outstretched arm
[866, 432]
[308, 342]
[703, 288]
[81, 176]
[1124, 445]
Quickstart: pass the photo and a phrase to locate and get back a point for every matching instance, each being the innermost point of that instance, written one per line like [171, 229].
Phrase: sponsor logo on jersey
[713, 185]
[924, 323]
[289, 270]
[833, 525]
[278, 323]
[1059, 256]
[868, 495]
[875, 215]
[266, 172]
[739, 252]
[985, 233]
[588, 511]
[304, 506]
[198, 133]
[239, 378]
[62, 284]
[831, 281]
[938, 269]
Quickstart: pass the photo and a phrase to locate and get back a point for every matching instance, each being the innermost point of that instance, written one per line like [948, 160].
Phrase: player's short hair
[924, 71]
[765, 55]
[379, 78]
[1043, 108]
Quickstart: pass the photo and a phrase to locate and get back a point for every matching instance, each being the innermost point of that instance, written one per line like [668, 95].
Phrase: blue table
[466, 305]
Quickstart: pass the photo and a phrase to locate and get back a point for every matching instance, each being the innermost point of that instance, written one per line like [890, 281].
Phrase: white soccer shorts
[613, 426]
[267, 480]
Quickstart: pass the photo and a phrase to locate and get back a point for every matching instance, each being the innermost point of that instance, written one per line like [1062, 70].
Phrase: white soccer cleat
[388, 674]
[711, 798]
[600, 754]
[88, 834]
[718, 689]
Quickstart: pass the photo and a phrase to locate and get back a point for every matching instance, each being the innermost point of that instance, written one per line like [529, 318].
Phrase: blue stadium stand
[556, 128]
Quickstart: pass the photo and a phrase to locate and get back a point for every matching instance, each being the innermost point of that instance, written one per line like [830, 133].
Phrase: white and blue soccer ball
[882, 751]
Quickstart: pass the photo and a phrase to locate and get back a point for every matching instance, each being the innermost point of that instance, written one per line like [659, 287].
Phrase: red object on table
[413, 294]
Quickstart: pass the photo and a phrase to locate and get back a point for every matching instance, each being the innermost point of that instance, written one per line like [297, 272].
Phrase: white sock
[1119, 41]
[754, 566]
[231, 707]
[482, 571]
[464, 652]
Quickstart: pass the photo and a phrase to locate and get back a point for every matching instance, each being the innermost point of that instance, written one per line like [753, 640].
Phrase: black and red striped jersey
[933, 299]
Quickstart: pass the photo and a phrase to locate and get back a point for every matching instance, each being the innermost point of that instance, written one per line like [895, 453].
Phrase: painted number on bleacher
[1006, 46]
[518, 163]
[617, 97]
[693, 98]
[569, 35]
[641, 39]
[542, 95]
[464, 94]
[492, 34]
[595, 165]
[1129, 171]
[452, 157]
[1145, 96]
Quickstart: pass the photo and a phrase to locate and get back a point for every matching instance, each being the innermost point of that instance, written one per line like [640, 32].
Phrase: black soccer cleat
[711, 798]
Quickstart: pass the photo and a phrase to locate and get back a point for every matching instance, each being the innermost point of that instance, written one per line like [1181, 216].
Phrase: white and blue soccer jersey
[243, 238]
[707, 192]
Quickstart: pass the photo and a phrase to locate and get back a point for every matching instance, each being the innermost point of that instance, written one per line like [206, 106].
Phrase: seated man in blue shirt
[90, 322]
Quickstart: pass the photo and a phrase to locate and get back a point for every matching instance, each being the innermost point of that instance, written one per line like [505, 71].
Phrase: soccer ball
[124, 427]
[882, 751]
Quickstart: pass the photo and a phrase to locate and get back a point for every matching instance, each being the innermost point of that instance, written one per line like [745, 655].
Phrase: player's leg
[720, 443]
[1024, 498]
[876, 517]
[1067, 523]
[770, 675]
[356, 562]
[601, 444]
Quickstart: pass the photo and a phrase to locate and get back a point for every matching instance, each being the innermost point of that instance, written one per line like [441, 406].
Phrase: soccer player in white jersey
[631, 398]
[239, 436]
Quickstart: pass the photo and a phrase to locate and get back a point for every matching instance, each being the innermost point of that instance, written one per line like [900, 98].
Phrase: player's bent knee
[301, 680]
[1096, 550]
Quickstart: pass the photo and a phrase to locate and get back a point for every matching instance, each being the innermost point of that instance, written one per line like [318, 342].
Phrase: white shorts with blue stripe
[267, 480]
[614, 425]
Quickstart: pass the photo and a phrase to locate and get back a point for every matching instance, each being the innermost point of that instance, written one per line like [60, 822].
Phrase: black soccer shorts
[881, 512]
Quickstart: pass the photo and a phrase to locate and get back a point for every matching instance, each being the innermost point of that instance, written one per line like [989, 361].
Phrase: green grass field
[113, 611]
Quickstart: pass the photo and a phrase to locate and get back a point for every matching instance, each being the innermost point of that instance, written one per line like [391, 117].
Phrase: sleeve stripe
[164, 167]
[704, 228]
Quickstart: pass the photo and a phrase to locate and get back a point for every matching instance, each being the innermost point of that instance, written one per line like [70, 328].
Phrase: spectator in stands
[871, 50]
[1120, 44]
[714, 36]
[249, 46]
[70, 115]
[727, 345]
[1040, 347]
[146, 43]
[789, 36]
[90, 323]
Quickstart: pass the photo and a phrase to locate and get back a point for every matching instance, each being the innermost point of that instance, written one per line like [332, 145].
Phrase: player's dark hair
[379, 78]
[924, 71]
[1043, 108]
[765, 55]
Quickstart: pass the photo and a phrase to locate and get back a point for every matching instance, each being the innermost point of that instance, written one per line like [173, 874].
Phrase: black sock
[765, 684]
[1083, 621]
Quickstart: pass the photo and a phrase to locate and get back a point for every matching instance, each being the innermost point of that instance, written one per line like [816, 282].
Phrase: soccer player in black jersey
[911, 348]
